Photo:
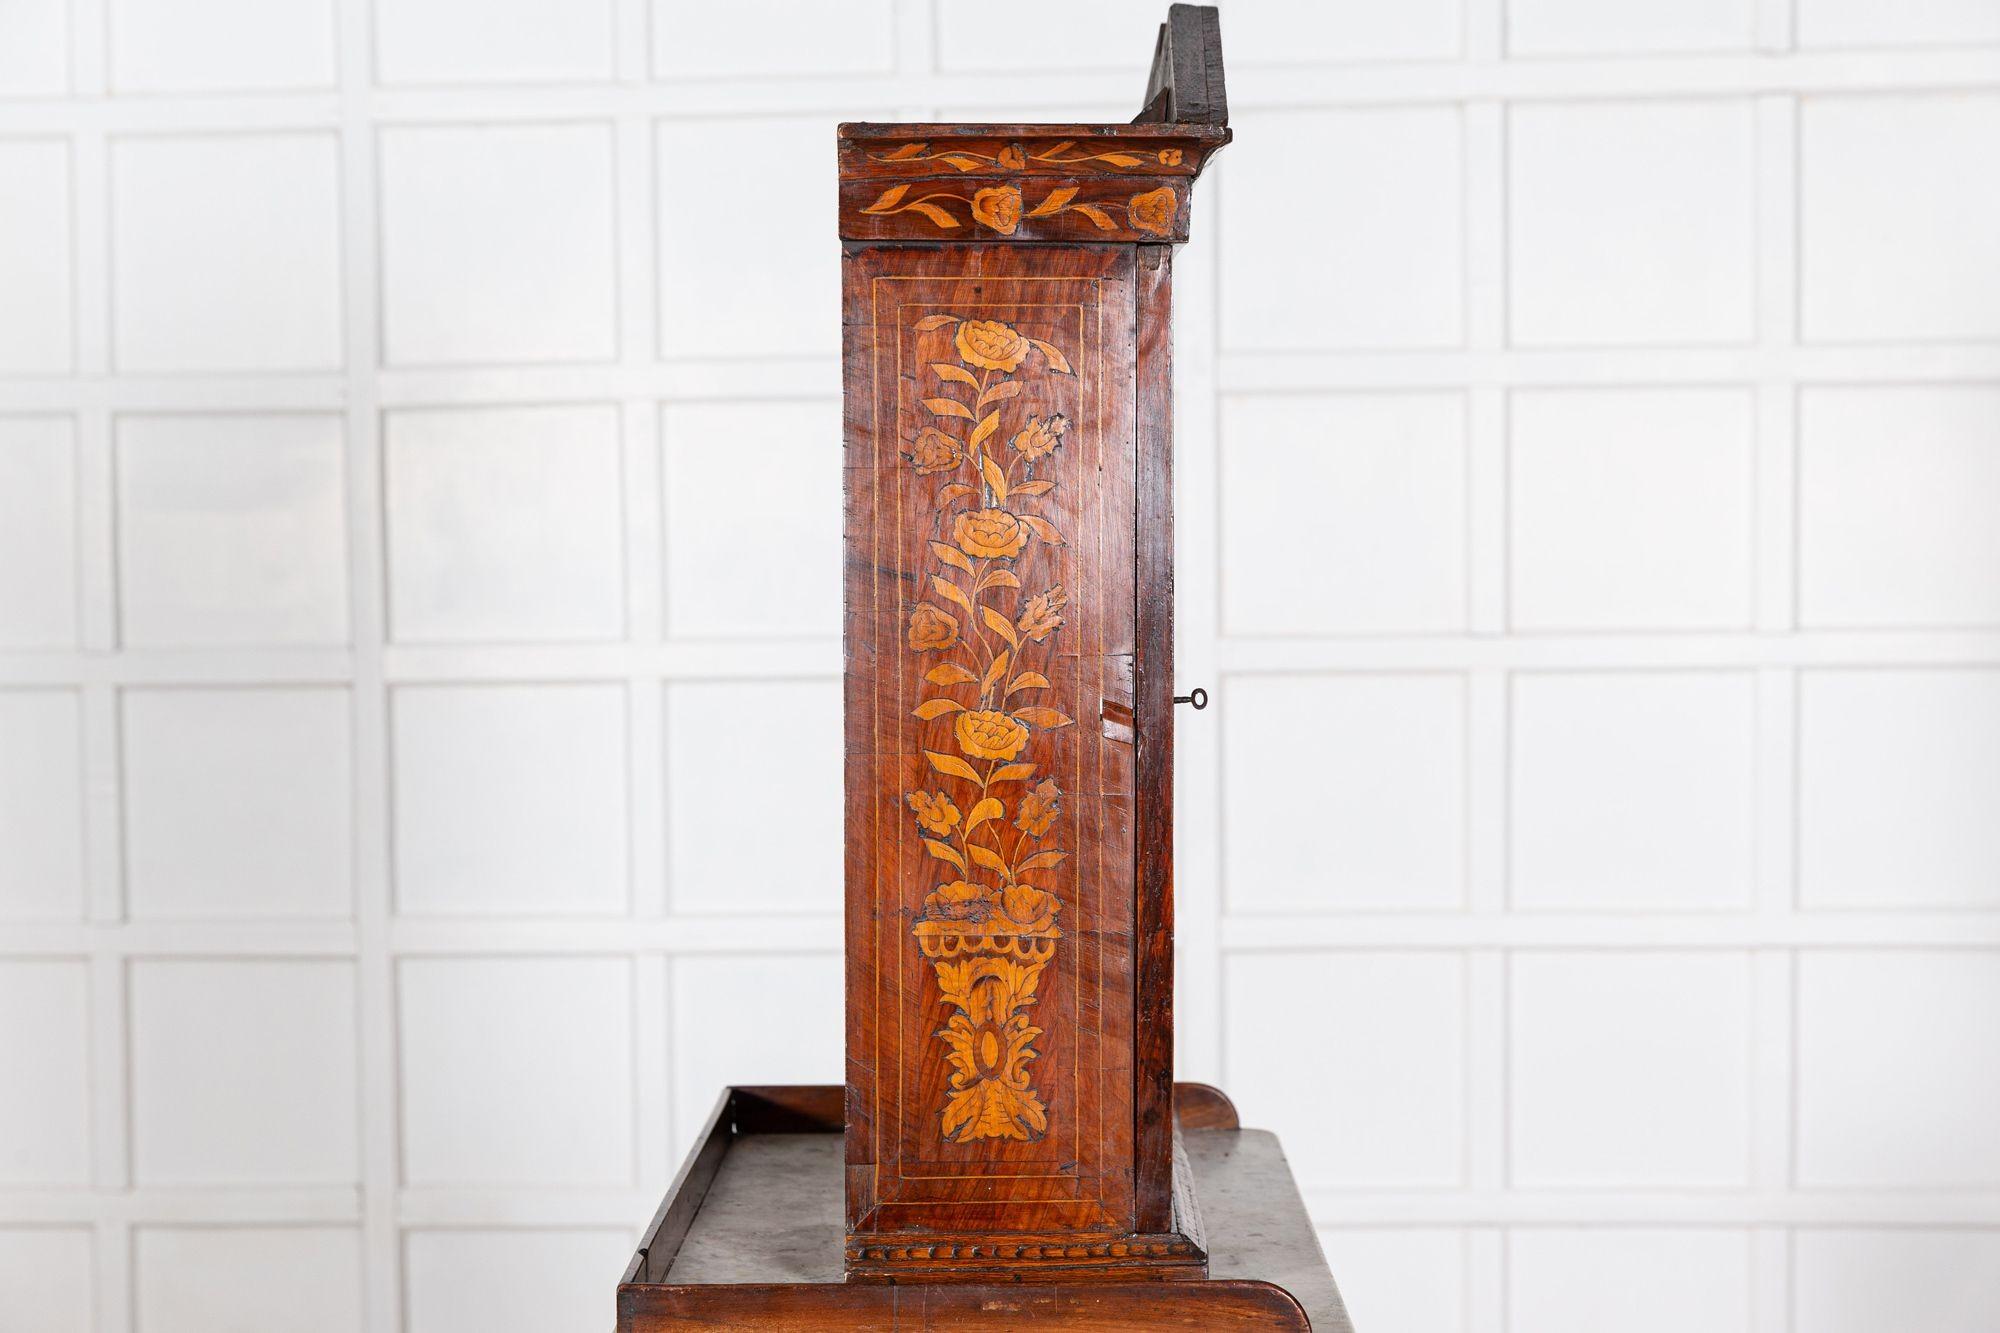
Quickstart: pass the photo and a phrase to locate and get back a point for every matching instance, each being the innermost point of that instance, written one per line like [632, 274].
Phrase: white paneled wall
[419, 739]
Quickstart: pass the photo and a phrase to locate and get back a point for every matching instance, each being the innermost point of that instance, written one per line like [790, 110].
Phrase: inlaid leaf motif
[931, 708]
[929, 322]
[890, 198]
[1054, 203]
[956, 374]
[984, 430]
[1096, 215]
[993, 1110]
[1028, 680]
[994, 672]
[1061, 154]
[1038, 487]
[933, 212]
[996, 480]
[1057, 361]
[951, 555]
[944, 851]
[951, 591]
[1000, 625]
[986, 856]
[951, 765]
[985, 810]
[950, 673]
[1040, 861]
[1011, 773]
[1042, 717]
[948, 407]
[1043, 528]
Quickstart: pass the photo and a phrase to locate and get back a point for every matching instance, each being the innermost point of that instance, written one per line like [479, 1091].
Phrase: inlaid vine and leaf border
[1001, 208]
[1001, 205]
[1064, 154]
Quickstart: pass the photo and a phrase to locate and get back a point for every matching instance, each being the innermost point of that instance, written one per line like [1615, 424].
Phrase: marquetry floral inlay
[1000, 208]
[1015, 157]
[989, 621]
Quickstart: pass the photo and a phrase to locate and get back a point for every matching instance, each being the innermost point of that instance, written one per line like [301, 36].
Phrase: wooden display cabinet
[1009, 1115]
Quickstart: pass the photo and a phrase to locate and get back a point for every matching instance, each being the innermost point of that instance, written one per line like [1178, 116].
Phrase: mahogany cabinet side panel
[990, 786]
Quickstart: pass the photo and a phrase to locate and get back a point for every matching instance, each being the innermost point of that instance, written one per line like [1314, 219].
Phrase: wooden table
[751, 1235]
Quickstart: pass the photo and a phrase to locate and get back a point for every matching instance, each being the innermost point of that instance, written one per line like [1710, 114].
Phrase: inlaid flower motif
[1041, 435]
[1029, 908]
[1044, 614]
[991, 533]
[1170, 157]
[991, 345]
[1013, 157]
[935, 814]
[1039, 808]
[935, 451]
[999, 207]
[1153, 211]
[959, 901]
[932, 629]
[984, 733]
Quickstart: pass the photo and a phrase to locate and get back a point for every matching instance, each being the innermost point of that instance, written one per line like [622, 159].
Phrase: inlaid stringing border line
[1095, 394]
